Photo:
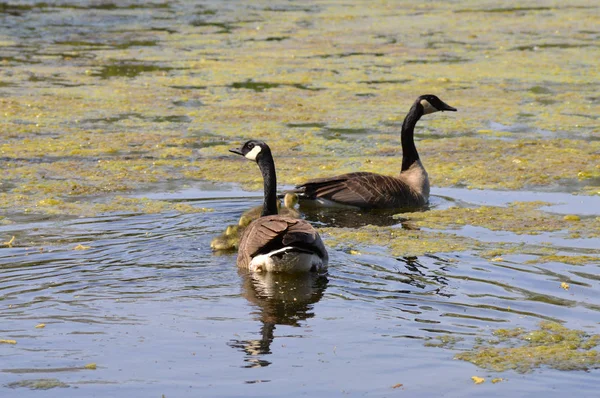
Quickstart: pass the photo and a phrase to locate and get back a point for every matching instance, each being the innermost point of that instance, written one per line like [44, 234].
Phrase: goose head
[252, 150]
[430, 104]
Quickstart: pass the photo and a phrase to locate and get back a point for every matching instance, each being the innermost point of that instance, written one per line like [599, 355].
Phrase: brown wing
[275, 232]
[361, 189]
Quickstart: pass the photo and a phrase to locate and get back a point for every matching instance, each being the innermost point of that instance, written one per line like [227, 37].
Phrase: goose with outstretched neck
[376, 191]
[273, 242]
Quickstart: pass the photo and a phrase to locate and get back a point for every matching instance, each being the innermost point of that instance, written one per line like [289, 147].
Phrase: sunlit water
[158, 312]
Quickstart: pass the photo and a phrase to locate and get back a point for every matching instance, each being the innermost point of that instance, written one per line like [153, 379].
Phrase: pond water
[117, 117]
[160, 314]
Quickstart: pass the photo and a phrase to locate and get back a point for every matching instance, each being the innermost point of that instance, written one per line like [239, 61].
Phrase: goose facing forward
[370, 190]
[274, 242]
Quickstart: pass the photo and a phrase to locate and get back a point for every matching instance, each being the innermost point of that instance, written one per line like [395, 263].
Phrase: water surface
[117, 117]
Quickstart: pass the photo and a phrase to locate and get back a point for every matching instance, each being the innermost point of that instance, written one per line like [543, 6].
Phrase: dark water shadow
[271, 38]
[280, 299]
[137, 116]
[346, 55]
[535, 47]
[259, 87]
[448, 59]
[385, 81]
[348, 217]
[307, 125]
[128, 69]
[504, 9]
[224, 27]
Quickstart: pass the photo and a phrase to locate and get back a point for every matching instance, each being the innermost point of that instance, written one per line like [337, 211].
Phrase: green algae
[114, 204]
[572, 260]
[444, 341]
[552, 345]
[38, 384]
[117, 106]
[147, 206]
[517, 217]
[397, 241]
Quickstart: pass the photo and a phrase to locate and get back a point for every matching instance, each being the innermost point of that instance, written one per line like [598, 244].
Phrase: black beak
[446, 107]
[237, 151]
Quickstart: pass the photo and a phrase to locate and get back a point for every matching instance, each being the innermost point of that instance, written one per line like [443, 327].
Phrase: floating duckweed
[444, 341]
[398, 242]
[477, 379]
[518, 217]
[573, 260]
[145, 205]
[144, 117]
[10, 242]
[551, 345]
[38, 384]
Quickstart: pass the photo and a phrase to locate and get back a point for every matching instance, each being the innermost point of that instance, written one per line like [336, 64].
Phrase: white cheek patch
[253, 153]
[427, 107]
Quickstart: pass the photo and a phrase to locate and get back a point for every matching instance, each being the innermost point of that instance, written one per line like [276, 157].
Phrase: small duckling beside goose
[274, 242]
[230, 238]
[290, 200]
[375, 191]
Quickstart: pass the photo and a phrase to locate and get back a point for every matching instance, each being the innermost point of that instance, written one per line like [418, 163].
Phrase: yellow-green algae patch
[38, 384]
[444, 341]
[517, 217]
[397, 241]
[120, 117]
[415, 242]
[145, 205]
[57, 206]
[551, 345]
[573, 260]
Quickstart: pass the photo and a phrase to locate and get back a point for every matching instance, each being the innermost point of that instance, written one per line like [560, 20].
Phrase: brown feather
[275, 232]
[362, 189]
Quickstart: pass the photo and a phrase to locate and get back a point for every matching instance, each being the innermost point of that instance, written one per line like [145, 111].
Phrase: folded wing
[361, 189]
[271, 233]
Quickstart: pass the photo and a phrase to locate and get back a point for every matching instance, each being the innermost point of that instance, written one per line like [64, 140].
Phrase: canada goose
[274, 242]
[371, 190]
[230, 238]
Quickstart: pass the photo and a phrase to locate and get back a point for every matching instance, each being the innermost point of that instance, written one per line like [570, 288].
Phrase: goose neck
[409, 150]
[267, 168]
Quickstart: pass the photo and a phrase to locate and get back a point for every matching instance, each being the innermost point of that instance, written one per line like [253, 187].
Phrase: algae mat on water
[104, 100]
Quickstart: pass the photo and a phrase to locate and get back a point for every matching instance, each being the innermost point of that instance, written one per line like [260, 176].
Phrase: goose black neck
[267, 168]
[409, 150]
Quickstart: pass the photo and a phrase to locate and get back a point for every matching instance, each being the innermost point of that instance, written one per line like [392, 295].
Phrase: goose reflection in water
[423, 276]
[281, 299]
[341, 217]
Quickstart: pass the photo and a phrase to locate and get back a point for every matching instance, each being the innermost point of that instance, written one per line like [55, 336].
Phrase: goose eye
[251, 145]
